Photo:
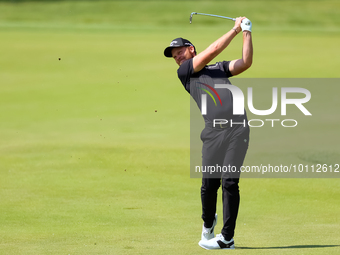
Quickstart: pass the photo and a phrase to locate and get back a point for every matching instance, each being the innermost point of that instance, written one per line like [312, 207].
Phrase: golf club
[212, 15]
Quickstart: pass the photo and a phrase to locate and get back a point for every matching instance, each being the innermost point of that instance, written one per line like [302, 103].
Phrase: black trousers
[225, 148]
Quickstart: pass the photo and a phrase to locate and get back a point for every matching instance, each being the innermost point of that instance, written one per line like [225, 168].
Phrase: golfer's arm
[203, 58]
[240, 65]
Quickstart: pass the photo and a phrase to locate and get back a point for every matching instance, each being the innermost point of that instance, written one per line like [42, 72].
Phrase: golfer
[223, 144]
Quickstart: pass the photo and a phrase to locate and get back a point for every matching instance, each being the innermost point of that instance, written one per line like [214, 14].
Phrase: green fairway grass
[95, 128]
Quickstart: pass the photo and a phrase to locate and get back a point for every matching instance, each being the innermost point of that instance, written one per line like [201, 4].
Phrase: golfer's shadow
[288, 247]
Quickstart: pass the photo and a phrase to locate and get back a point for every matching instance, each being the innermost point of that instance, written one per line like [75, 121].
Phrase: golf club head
[191, 16]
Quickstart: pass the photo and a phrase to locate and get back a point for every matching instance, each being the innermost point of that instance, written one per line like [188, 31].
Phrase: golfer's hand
[238, 22]
[246, 25]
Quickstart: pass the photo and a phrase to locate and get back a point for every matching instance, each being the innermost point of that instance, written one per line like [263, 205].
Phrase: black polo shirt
[219, 101]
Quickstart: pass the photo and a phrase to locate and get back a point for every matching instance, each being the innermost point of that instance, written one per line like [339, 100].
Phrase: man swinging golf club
[223, 144]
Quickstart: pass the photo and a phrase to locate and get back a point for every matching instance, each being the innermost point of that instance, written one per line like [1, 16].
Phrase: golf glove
[246, 25]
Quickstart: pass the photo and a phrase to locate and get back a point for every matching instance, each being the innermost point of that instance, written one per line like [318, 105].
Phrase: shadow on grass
[288, 247]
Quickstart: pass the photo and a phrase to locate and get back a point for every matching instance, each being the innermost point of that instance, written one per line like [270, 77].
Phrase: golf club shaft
[212, 15]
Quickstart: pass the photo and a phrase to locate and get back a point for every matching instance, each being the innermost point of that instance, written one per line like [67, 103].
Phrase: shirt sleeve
[226, 68]
[184, 73]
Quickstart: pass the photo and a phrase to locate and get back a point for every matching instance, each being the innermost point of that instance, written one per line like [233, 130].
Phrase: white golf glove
[246, 25]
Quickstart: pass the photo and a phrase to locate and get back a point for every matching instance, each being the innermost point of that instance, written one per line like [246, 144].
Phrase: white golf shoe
[217, 243]
[208, 233]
